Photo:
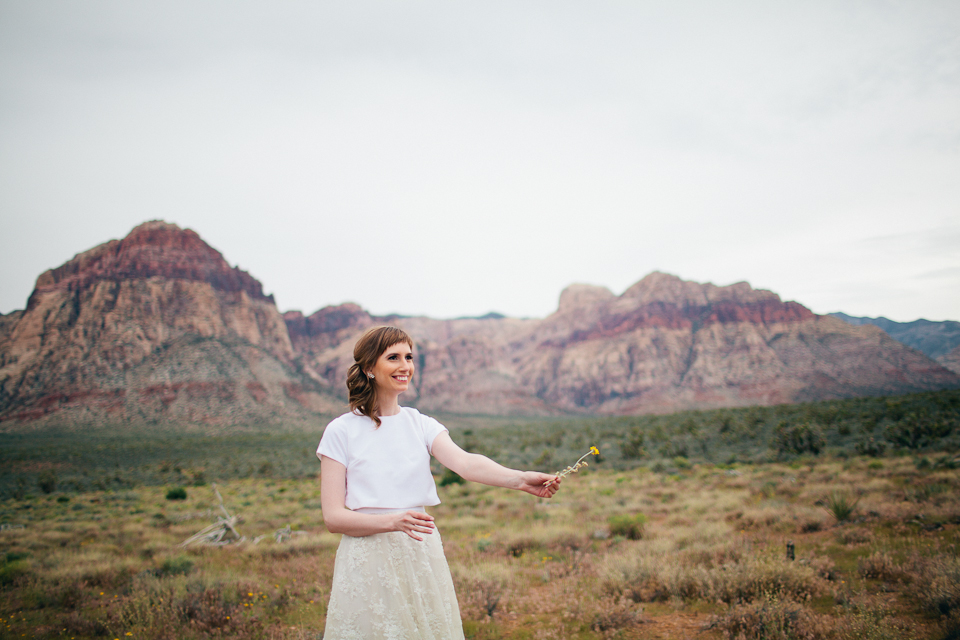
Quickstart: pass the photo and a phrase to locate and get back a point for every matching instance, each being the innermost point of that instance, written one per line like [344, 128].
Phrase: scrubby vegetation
[660, 537]
[122, 457]
[617, 554]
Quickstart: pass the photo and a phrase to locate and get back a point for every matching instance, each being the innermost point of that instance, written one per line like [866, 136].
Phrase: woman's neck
[389, 406]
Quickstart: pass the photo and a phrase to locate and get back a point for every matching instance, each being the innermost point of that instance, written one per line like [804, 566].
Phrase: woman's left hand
[542, 485]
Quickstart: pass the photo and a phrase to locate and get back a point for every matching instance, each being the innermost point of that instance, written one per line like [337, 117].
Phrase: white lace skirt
[389, 586]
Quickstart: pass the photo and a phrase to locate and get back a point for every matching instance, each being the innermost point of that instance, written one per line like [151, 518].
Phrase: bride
[390, 578]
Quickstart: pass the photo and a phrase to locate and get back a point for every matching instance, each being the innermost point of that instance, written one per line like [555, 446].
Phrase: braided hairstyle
[370, 346]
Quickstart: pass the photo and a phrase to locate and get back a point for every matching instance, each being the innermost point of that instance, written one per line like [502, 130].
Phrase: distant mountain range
[935, 339]
[157, 327]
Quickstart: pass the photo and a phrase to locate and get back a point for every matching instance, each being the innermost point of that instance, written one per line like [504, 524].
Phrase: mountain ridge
[934, 338]
[157, 326]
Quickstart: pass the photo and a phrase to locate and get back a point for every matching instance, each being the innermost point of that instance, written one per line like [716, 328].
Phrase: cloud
[453, 159]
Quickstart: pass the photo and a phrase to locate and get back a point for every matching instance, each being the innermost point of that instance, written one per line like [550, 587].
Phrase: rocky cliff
[156, 325]
[664, 344]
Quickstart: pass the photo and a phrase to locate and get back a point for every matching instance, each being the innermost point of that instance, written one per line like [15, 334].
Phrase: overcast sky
[451, 159]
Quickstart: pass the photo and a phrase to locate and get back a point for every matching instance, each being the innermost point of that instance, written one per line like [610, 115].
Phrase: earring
[370, 375]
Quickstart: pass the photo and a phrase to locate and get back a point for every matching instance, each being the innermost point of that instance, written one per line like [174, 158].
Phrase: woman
[390, 579]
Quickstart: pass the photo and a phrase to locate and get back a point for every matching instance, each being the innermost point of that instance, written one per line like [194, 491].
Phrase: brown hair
[370, 346]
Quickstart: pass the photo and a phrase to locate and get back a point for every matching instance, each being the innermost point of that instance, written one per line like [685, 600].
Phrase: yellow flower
[575, 467]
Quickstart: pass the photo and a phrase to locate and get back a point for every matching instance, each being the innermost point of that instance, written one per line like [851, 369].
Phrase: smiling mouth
[401, 378]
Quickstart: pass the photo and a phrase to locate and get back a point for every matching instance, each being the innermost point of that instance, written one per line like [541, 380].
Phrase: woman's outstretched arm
[339, 519]
[478, 468]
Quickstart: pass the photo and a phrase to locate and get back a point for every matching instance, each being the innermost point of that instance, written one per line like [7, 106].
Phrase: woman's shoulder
[421, 419]
[414, 414]
[347, 420]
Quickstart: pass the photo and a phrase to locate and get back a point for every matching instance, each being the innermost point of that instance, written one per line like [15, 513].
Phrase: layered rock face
[664, 344]
[158, 326]
[155, 325]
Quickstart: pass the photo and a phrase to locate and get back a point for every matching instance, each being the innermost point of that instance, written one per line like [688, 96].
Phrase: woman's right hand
[412, 523]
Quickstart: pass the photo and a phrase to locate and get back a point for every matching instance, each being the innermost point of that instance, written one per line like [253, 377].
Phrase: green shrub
[176, 493]
[179, 565]
[870, 447]
[840, 505]
[47, 481]
[450, 477]
[918, 430]
[630, 527]
[797, 439]
[13, 569]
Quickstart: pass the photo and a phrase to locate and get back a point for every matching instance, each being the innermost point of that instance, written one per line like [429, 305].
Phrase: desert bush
[180, 565]
[630, 527]
[870, 622]
[450, 477]
[13, 570]
[612, 615]
[797, 439]
[853, 535]
[47, 481]
[75, 624]
[872, 448]
[918, 429]
[765, 574]
[210, 611]
[480, 589]
[940, 577]
[640, 578]
[926, 491]
[840, 505]
[771, 619]
[176, 493]
[810, 526]
[824, 567]
[520, 546]
[880, 566]
[631, 447]
[659, 577]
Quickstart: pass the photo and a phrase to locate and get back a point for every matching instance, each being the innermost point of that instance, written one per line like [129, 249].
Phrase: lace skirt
[388, 586]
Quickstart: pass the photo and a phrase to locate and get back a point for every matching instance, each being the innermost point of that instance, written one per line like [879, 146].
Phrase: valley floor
[692, 553]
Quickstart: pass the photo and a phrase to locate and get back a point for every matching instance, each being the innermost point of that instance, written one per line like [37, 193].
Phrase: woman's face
[394, 369]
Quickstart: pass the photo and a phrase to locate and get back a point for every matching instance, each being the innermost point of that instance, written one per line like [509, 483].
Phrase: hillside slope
[154, 326]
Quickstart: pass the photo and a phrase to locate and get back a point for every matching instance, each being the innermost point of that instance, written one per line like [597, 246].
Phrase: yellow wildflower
[576, 466]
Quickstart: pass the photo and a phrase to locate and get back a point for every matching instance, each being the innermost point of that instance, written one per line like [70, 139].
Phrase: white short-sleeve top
[387, 467]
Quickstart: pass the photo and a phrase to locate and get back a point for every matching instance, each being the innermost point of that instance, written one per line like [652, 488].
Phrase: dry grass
[709, 560]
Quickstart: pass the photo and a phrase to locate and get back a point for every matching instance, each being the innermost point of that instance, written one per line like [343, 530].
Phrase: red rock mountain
[664, 344]
[153, 326]
[158, 326]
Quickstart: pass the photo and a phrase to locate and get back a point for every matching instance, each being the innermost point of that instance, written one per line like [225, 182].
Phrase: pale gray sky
[456, 158]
